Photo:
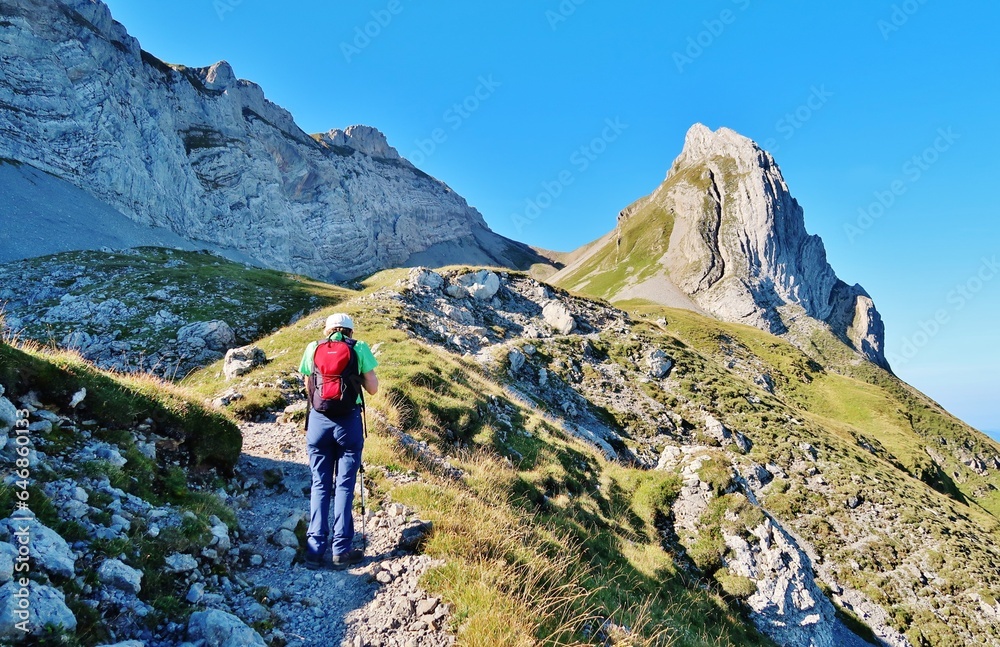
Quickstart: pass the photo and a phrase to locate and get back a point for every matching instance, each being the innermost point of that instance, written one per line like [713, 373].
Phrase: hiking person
[336, 369]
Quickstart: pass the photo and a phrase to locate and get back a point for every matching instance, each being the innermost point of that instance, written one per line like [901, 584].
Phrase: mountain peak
[702, 143]
[364, 139]
[723, 235]
[220, 76]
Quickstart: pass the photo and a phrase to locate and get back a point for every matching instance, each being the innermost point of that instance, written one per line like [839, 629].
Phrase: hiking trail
[377, 603]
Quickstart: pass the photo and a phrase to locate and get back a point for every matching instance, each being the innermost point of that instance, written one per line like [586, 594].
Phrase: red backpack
[336, 377]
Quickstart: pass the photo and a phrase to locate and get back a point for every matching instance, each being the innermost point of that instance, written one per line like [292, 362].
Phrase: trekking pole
[364, 510]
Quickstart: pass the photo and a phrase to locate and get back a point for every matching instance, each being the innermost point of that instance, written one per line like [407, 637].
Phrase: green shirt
[366, 360]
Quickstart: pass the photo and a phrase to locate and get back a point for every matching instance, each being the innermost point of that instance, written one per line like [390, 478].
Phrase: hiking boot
[314, 562]
[348, 559]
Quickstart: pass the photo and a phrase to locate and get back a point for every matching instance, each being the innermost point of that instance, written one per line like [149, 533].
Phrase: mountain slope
[207, 156]
[777, 470]
[648, 473]
[723, 235]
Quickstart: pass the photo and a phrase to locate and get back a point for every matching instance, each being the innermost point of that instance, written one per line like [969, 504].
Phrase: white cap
[339, 320]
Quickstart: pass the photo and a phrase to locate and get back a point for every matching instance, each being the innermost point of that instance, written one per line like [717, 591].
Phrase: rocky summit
[199, 153]
[723, 235]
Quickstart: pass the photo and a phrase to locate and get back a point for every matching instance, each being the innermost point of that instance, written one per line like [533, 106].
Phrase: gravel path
[378, 603]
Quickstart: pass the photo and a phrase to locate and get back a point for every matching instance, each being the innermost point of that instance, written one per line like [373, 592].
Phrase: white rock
[215, 335]
[516, 359]
[49, 551]
[240, 361]
[180, 563]
[8, 555]
[421, 276]
[195, 593]
[458, 314]
[78, 397]
[658, 363]
[8, 415]
[285, 537]
[115, 573]
[456, 291]
[558, 317]
[221, 629]
[47, 607]
[482, 285]
[220, 537]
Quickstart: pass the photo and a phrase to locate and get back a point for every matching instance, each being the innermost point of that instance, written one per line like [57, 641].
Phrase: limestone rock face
[740, 249]
[202, 153]
[364, 139]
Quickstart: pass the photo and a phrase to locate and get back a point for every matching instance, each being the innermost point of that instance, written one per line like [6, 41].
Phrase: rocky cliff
[205, 154]
[724, 231]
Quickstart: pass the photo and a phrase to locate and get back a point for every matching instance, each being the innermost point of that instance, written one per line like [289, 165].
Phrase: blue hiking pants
[334, 445]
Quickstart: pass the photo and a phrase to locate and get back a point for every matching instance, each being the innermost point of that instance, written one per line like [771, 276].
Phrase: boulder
[116, 574]
[220, 629]
[49, 551]
[240, 361]
[220, 537]
[456, 291]
[285, 537]
[180, 563]
[558, 317]
[423, 277]
[725, 436]
[8, 415]
[77, 398]
[214, 335]
[195, 593]
[481, 285]
[658, 363]
[516, 359]
[48, 608]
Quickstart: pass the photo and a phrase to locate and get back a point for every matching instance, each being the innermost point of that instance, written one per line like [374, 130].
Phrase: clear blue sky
[844, 95]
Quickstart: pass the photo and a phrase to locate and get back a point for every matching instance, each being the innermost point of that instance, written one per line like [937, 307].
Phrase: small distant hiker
[336, 369]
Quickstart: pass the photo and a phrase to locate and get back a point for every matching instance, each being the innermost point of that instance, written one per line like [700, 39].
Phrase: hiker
[335, 369]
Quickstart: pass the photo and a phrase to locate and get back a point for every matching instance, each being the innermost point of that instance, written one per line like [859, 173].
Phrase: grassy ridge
[550, 543]
[209, 438]
[206, 445]
[545, 540]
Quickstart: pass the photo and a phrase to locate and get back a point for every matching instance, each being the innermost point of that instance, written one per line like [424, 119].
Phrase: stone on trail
[220, 629]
